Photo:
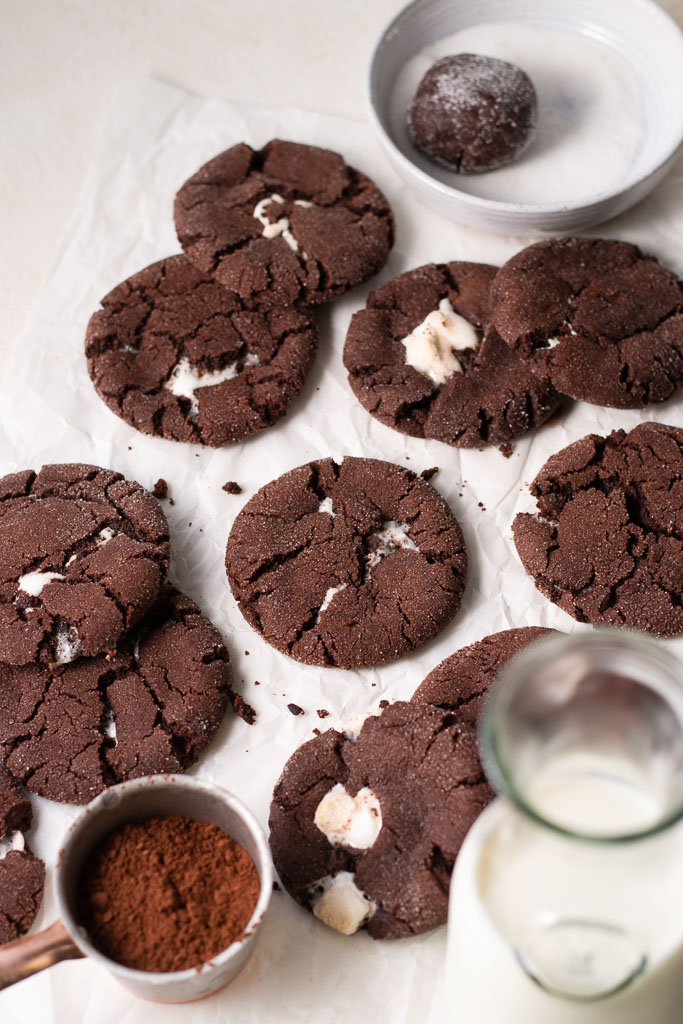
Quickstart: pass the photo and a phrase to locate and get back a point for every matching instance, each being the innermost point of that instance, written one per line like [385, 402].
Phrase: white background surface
[62, 70]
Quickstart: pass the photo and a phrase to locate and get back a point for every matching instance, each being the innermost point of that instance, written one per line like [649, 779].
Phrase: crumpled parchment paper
[155, 137]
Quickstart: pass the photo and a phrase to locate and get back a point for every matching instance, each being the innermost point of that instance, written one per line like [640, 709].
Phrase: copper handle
[24, 957]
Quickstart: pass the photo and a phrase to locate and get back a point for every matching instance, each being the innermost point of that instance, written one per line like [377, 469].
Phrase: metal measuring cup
[66, 939]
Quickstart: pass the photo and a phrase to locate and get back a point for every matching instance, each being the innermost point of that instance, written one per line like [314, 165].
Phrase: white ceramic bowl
[637, 30]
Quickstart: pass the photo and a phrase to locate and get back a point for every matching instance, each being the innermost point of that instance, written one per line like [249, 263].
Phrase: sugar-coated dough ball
[473, 113]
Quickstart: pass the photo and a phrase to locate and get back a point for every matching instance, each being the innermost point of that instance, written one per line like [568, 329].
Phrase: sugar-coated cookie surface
[365, 827]
[347, 564]
[473, 113]
[22, 874]
[421, 360]
[460, 682]
[83, 554]
[607, 542]
[285, 225]
[177, 355]
[597, 318]
[68, 731]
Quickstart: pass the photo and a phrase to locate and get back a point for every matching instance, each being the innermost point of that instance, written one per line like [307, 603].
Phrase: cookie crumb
[322, 713]
[243, 710]
[160, 489]
[171, 501]
[384, 704]
[257, 682]
[506, 449]
[232, 487]
[295, 709]
[317, 732]
[427, 474]
[247, 652]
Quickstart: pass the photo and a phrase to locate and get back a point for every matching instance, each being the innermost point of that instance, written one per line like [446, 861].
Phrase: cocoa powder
[166, 893]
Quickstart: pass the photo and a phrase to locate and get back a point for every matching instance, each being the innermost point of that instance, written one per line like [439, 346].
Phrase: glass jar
[583, 872]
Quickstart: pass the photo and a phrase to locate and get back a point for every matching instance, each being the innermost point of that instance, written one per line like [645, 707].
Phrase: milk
[511, 877]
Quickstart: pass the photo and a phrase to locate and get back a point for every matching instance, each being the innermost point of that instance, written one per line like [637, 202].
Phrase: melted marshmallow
[352, 729]
[67, 645]
[109, 724]
[431, 347]
[326, 506]
[13, 841]
[105, 535]
[185, 379]
[340, 904]
[393, 536]
[349, 820]
[327, 600]
[33, 582]
[271, 229]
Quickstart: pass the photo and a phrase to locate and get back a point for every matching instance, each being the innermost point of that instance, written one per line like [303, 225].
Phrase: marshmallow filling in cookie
[326, 507]
[338, 903]
[431, 347]
[185, 379]
[271, 229]
[346, 820]
[12, 841]
[391, 537]
[105, 535]
[327, 600]
[557, 339]
[109, 725]
[67, 645]
[32, 583]
[352, 728]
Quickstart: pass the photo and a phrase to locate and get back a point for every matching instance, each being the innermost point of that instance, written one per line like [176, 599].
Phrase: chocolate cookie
[348, 565]
[68, 731]
[600, 320]
[607, 543]
[22, 874]
[177, 355]
[364, 830]
[473, 113]
[459, 683]
[419, 360]
[284, 225]
[83, 554]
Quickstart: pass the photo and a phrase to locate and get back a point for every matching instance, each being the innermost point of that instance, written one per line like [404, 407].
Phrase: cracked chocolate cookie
[421, 360]
[83, 554]
[22, 874]
[597, 318]
[68, 731]
[607, 542]
[365, 826]
[460, 682]
[177, 355]
[285, 225]
[347, 564]
[473, 113]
